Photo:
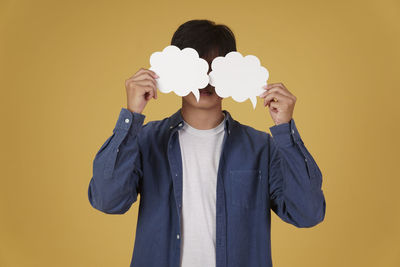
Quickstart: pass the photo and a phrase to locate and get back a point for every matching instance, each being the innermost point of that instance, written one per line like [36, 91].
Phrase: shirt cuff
[129, 121]
[286, 134]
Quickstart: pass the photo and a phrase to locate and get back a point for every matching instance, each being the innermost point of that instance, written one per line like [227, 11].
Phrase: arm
[295, 179]
[117, 168]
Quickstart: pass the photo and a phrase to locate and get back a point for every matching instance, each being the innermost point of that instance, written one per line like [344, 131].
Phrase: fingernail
[155, 75]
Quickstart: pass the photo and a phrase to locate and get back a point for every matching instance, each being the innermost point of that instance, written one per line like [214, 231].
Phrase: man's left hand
[280, 102]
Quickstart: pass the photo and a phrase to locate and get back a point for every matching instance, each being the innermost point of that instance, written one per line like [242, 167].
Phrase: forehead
[210, 57]
[211, 54]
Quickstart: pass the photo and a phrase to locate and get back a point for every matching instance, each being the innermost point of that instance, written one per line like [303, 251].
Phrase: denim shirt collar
[176, 119]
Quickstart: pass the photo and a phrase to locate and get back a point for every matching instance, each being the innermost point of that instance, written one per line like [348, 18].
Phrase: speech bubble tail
[253, 100]
[196, 94]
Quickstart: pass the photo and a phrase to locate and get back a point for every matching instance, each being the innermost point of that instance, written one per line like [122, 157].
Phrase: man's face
[208, 98]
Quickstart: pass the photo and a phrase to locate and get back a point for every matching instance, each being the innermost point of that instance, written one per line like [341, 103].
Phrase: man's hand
[280, 102]
[140, 88]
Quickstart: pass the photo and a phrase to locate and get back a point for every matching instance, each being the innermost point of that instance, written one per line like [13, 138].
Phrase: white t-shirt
[200, 150]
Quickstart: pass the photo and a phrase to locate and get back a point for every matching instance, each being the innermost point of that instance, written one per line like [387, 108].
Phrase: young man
[207, 182]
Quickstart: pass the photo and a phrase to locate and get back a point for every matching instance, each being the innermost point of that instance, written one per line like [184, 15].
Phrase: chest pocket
[245, 188]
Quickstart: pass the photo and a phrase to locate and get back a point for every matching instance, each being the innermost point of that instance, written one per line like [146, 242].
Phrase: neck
[202, 119]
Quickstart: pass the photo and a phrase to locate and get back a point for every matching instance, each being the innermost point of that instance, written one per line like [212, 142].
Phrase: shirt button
[305, 159]
[177, 236]
[180, 124]
[176, 174]
[292, 131]
[126, 120]
[117, 149]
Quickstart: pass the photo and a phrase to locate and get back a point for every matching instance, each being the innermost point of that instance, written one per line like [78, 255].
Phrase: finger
[274, 106]
[272, 96]
[146, 82]
[143, 70]
[270, 85]
[142, 76]
[279, 90]
[268, 102]
[280, 97]
[144, 87]
[276, 85]
[155, 92]
[149, 92]
[275, 89]
[279, 85]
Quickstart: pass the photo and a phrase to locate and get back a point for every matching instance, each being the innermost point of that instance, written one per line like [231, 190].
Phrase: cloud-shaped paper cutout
[180, 71]
[239, 77]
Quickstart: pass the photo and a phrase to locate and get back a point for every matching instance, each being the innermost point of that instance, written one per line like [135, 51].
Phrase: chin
[205, 101]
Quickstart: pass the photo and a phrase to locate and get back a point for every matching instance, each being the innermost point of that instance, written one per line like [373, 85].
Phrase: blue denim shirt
[257, 173]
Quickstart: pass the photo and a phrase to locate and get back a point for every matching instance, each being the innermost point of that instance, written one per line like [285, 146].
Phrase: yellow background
[63, 67]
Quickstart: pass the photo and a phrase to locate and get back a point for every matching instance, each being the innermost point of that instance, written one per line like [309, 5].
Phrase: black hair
[206, 37]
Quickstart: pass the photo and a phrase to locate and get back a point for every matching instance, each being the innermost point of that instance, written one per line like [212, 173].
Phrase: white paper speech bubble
[239, 77]
[180, 71]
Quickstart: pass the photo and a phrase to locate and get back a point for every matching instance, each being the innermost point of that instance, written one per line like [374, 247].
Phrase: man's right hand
[140, 88]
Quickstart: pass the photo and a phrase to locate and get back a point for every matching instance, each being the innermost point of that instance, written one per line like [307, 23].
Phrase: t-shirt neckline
[207, 132]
